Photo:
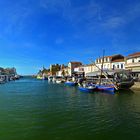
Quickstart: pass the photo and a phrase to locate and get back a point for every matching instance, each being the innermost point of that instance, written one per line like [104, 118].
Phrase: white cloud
[121, 19]
[114, 22]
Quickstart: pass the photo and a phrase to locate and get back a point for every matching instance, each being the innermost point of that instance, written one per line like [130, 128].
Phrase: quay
[136, 86]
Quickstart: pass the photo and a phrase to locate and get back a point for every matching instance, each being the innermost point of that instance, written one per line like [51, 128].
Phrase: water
[38, 110]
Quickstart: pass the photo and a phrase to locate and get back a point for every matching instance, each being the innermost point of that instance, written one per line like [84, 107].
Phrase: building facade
[132, 62]
[63, 71]
[72, 66]
[54, 69]
[111, 62]
[118, 64]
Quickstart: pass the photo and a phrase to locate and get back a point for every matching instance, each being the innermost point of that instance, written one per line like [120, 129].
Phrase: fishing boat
[120, 79]
[42, 77]
[2, 81]
[45, 78]
[39, 77]
[54, 79]
[87, 88]
[59, 80]
[108, 88]
[70, 83]
[50, 78]
[102, 87]
[123, 79]
[111, 85]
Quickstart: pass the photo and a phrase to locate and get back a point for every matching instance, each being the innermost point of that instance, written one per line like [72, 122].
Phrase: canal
[31, 109]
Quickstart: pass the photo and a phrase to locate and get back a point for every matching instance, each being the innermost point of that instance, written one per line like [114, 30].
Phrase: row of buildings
[113, 62]
[7, 74]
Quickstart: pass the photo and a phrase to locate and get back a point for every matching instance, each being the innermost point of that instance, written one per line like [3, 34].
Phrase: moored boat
[39, 77]
[50, 78]
[108, 88]
[42, 77]
[123, 80]
[2, 81]
[87, 89]
[58, 81]
[70, 83]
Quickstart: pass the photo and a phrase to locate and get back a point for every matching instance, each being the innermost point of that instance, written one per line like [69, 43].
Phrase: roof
[111, 56]
[108, 56]
[81, 66]
[118, 60]
[135, 54]
[74, 62]
[88, 65]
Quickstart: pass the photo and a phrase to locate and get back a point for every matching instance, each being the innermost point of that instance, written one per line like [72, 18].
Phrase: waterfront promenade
[136, 86]
[33, 109]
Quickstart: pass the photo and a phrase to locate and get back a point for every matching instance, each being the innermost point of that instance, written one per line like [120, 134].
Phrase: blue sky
[34, 33]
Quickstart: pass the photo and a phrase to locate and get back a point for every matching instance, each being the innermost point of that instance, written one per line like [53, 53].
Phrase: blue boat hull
[86, 89]
[105, 88]
[70, 83]
[45, 78]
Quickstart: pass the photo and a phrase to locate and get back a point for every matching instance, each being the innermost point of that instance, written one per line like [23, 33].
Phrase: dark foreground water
[38, 110]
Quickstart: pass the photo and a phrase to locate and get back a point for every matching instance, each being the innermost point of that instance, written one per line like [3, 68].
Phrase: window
[113, 67]
[108, 59]
[121, 66]
[132, 60]
[97, 61]
[118, 66]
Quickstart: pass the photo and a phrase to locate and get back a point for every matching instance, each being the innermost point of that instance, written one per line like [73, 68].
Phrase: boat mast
[115, 86]
[102, 67]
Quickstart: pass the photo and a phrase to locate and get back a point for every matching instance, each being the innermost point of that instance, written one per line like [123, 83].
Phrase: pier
[136, 86]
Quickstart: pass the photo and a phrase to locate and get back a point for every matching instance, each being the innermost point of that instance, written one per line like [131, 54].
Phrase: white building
[118, 64]
[133, 64]
[72, 65]
[111, 62]
[85, 69]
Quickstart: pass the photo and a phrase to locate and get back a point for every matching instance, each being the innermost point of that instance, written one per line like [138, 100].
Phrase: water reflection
[34, 109]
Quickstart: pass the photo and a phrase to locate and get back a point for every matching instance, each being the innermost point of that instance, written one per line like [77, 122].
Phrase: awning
[92, 73]
[137, 71]
[76, 72]
[97, 73]
[110, 73]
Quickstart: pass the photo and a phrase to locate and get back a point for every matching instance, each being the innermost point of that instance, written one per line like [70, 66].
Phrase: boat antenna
[101, 71]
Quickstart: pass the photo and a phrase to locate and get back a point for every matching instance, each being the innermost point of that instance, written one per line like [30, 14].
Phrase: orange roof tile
[135, 54]
[74, 62]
